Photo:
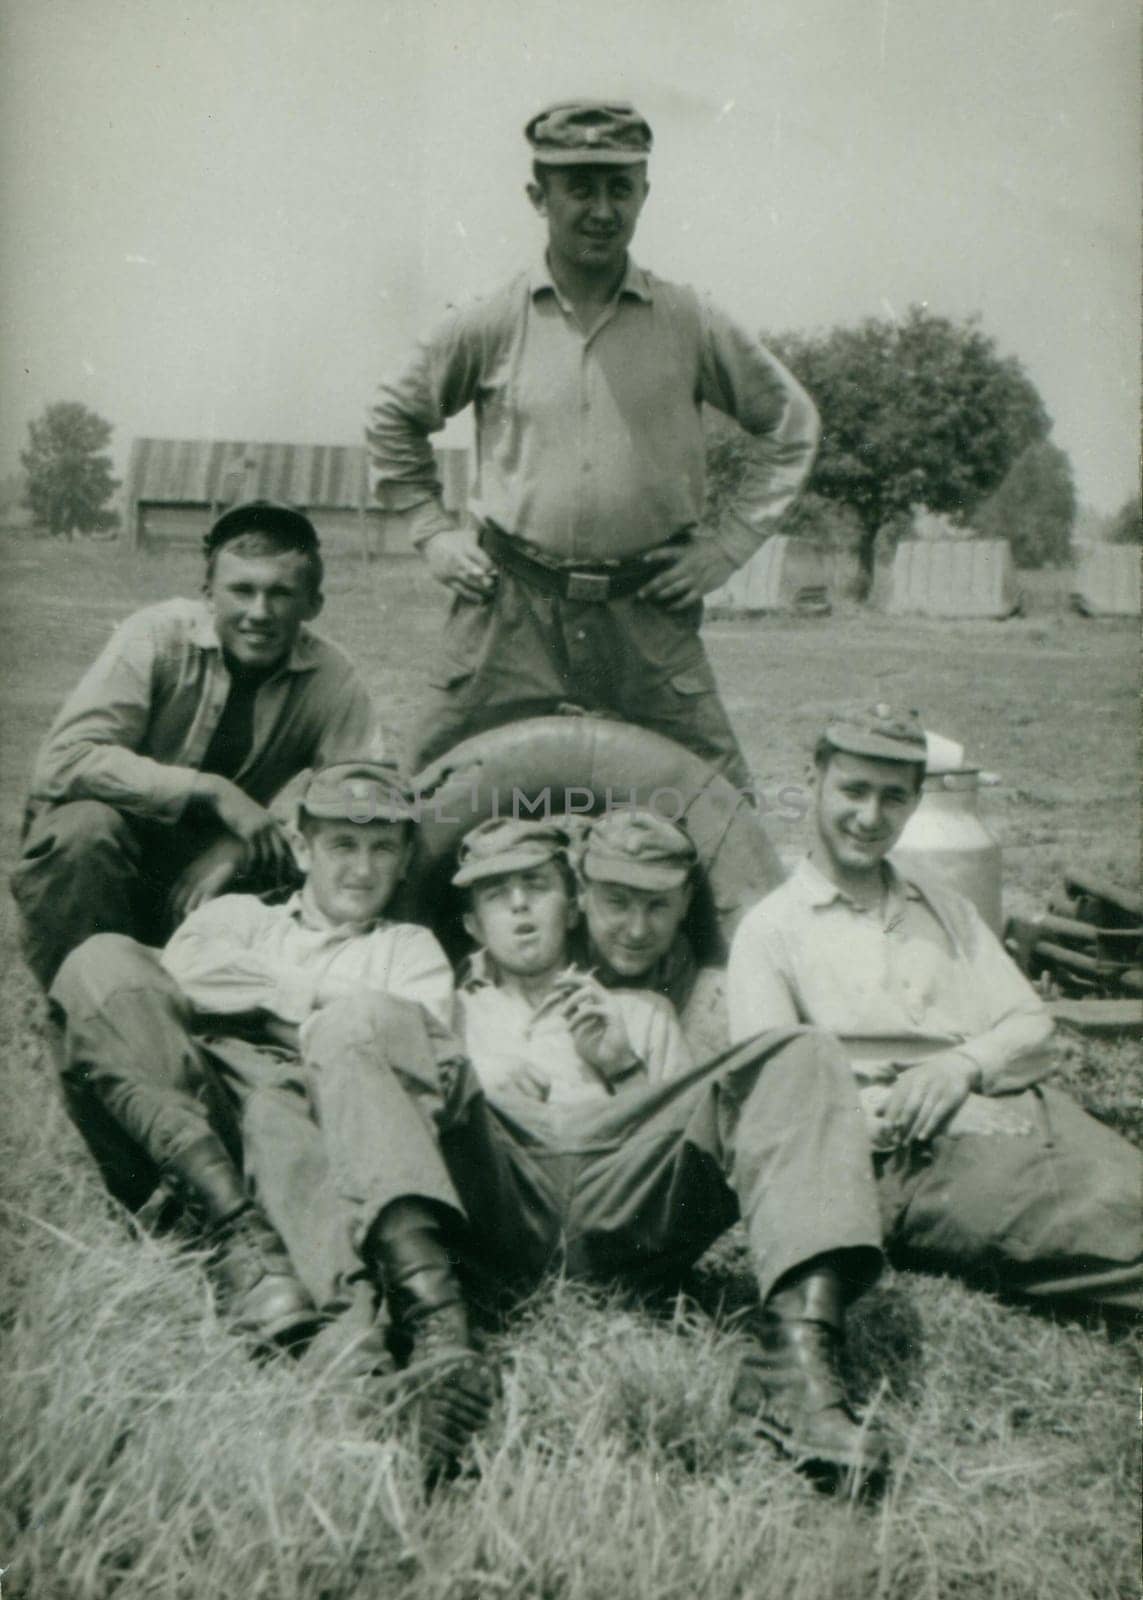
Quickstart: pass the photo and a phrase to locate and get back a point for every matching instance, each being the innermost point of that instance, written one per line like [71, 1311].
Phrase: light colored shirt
[503, 1032]
[135, 729]
[590, 444]
[236, 956]
[924, 975]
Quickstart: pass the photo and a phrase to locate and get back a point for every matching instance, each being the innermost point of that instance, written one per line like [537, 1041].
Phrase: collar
[821, 892]
[302, 658]
[635, 283]
[302, 910]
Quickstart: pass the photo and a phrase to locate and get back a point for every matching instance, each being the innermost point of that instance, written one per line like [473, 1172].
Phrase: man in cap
[582, 578]
[636, 872]
[151, 791]
[575, 1130]
[162, 1053]
[982, 1168]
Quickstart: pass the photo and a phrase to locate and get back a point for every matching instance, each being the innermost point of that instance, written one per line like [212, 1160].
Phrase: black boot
[451, 1387]
[262, 1295]
[790, 1386]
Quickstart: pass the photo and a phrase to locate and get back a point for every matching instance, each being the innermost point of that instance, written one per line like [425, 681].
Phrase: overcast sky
[224, 219]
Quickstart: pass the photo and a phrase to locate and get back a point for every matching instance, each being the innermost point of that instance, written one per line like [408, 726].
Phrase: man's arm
[218, 958]
[741, 378]
[760, 987]
[421, 972]
[92, 750]
[439, 379]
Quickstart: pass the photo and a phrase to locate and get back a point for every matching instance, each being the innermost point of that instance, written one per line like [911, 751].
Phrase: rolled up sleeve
[741, 378]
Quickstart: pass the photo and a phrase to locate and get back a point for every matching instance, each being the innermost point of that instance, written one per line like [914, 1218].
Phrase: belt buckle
[591, 586]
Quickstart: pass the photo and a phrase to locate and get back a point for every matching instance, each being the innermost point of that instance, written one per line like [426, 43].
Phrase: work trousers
[87, 868]
[526, 654]
[639, 1186]
[1052, 1210]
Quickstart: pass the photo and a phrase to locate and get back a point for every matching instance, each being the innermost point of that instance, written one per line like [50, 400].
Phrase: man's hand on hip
[456, 560]
[688, 571]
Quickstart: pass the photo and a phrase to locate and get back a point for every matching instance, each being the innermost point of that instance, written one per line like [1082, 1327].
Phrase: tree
[1126, 526]
[1034, 508]
[918, 412]
[69, 477]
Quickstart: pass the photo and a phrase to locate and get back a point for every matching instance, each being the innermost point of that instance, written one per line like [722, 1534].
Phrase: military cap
[357, 791]
[261, 516]
[579, 133]
[887, 733]
[505, 844]
[640, 849]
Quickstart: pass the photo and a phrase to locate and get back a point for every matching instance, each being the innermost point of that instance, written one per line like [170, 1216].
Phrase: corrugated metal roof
[215, 471]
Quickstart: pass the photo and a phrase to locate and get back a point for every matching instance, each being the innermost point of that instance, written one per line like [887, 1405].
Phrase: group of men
[352, 1122]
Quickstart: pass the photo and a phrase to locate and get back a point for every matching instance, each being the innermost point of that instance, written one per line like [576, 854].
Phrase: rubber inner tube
[556, 766]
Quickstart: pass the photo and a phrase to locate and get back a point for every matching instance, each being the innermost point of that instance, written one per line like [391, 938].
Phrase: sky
[227, 220]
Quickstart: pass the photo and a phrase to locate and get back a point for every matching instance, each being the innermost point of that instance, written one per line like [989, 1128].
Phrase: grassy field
[145, 1456]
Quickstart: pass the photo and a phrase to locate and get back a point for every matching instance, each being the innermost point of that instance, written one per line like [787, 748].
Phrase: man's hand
[268, 852]
[597, 1027]
[456, 560]
[926, 1096]
[688, 572]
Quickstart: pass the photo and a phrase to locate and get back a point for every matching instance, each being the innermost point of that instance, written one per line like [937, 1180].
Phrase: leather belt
[594, 583]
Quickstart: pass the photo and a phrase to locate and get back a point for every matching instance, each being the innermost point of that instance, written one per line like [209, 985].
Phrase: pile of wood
[1088, 944]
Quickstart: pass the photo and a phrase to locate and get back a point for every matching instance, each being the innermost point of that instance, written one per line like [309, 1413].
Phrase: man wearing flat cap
[580, 577]
[983, 1168]
[196, 1065]
[151, 791]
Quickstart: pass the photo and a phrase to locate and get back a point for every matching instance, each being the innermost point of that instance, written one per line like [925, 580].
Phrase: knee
[368, 1014]
[812, 1065]
[102, 966]
[79, 827]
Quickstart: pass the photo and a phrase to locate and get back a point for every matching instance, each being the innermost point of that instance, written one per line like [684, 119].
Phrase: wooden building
[174, 488]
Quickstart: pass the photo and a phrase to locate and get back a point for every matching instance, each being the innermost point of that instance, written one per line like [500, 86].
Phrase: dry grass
[146, 1456]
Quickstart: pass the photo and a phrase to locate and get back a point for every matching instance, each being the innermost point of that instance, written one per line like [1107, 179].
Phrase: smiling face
[259, 603]
[591, 214]
[861, 809]
[522, 919]
[630, 929]
[352, 868]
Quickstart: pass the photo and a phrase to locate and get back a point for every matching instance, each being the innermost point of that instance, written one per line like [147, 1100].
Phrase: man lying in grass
[574, 1132]
[163, 1052]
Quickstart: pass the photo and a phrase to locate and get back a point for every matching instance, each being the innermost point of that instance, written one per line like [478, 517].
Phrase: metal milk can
[945, 836]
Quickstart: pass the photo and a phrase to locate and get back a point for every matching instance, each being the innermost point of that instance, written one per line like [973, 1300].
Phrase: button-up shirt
[503, 1033]
[589, 444]
[898, 983]
[237, 956]
[135, 729]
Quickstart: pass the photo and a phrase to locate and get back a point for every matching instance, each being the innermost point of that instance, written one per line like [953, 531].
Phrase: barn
[174, 488]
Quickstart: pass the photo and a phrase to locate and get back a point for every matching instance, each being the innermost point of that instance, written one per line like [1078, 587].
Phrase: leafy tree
[69, 476]
[1034, 508]
[1126, 526]
[918, 412]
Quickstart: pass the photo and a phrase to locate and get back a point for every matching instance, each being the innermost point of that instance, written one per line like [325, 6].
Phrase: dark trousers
[1054, 1211]
[525, 654]
[87, 868]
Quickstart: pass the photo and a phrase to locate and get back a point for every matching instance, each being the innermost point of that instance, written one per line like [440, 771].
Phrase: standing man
[583, 579]
[982, 1168]
[150, 794]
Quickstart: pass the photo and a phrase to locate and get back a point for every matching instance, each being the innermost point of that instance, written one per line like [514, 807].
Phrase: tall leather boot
[450, 1386]
[790, 1386]
[262, 1294]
